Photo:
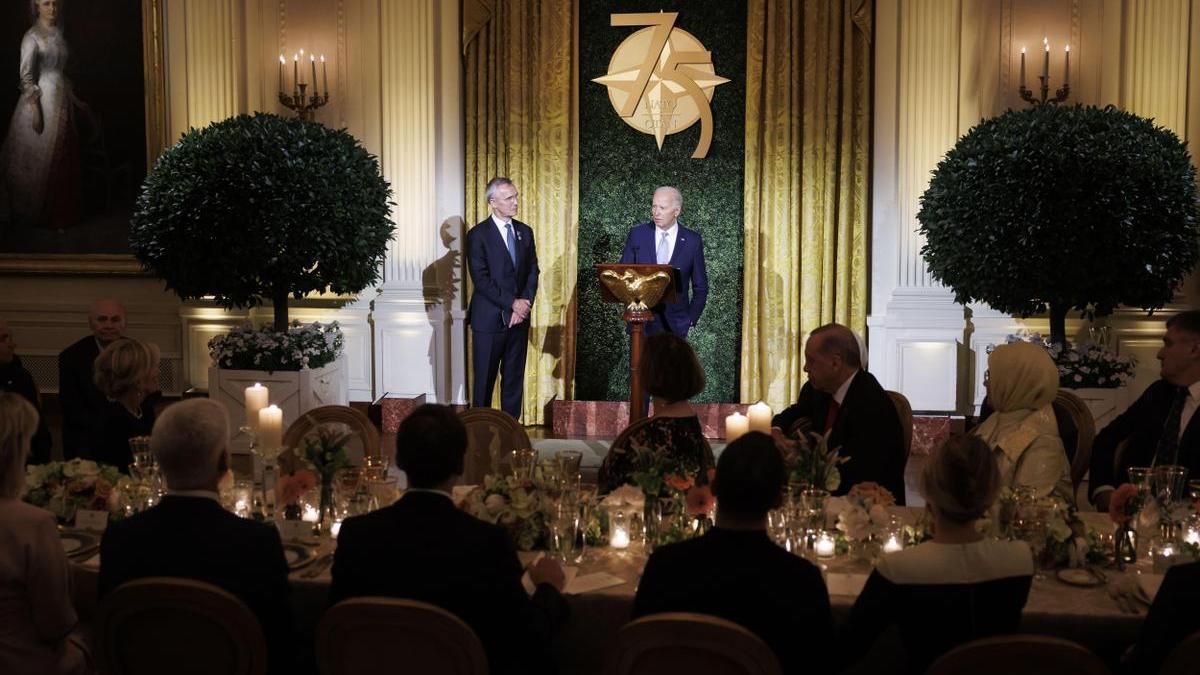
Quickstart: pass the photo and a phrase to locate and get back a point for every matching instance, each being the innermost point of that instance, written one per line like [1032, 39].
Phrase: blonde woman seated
[671, 374]
[956, 588]
[1021, 383]
[126, 372]
[37, 621]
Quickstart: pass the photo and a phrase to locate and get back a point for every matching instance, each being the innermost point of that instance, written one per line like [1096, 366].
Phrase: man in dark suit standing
[847, 402]
[666, 241]
[737, 573]
[502, 260]
[424, 548]
[1161, 427]
[14, 378]
[188, 534]
[82, 403]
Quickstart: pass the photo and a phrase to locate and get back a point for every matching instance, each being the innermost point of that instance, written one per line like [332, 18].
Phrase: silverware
[317, 567]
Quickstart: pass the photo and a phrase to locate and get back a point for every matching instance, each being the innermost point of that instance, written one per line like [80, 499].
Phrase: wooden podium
[639, 287]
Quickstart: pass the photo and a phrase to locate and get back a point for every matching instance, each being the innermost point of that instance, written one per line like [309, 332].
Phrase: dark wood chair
[489, 431]
[366, 635]
[1024, 654]
[697, 644]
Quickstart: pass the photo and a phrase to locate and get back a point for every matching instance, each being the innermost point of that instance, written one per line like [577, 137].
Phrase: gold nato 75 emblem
[660, 79]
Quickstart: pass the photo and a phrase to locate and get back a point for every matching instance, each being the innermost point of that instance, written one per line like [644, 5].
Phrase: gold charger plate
[1076, 576]
[298, 555]
[77, 543]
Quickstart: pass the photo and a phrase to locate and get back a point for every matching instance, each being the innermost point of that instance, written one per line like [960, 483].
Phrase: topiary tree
[258, 208]
[1062, 208]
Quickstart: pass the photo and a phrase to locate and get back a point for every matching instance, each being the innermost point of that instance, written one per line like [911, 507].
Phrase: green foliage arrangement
[259, 208]
[1062, 208]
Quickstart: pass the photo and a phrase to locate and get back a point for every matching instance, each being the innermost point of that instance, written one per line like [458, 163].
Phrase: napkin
[840, 583]
[586, 583]
[568, 572]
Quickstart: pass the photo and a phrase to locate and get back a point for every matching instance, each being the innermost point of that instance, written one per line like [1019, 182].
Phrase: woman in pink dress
[37, 621]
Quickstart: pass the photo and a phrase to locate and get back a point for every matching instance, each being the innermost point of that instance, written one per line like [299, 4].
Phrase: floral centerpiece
[809, 460]
[677, 493]
[301, 346]
[289, 488]
[866, 511]
[1088, 365]
[323, 454]
[514, 504]
[63, 488]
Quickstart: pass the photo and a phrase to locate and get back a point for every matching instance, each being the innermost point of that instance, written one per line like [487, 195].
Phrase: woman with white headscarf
[1022, 382]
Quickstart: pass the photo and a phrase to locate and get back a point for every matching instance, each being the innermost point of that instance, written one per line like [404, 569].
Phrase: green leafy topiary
[257, 208]
[1068, 207]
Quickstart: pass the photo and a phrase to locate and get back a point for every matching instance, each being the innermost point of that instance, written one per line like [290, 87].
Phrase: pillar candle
[1022, 67]
[735, 426]
[270, 427]
[1067, 79]
[760, 417]
[256, 399]
[1046, 63]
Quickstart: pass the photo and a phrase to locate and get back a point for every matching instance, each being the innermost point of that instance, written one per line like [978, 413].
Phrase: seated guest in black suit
[1161, 427]
[959, 587]
[671, 374]
[81, 402]
[1171, 619]
[127, 375]
[188, 534]
[737, 573]
[424, 548]
[843, 399]
[14, 378]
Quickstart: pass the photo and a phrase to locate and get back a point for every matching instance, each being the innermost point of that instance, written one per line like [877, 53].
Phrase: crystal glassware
[523, 463]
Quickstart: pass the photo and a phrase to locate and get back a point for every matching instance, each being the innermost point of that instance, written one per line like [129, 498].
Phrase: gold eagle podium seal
[661, 79]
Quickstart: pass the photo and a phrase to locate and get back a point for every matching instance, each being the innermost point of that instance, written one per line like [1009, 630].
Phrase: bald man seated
[848, 402]
[82, 403]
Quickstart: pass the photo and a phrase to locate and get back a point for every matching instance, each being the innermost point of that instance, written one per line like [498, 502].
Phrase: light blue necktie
[664, 253]
[511, 242]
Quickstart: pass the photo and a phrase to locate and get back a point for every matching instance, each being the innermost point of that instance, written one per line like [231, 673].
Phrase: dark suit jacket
[1171, 618]
[744, 577]
[1142, 424]
[424, 548]
[78, 396]
[497, 282]
[194, 538]
[688, 260]
[14, 378]
[867, 430]
[114, 427]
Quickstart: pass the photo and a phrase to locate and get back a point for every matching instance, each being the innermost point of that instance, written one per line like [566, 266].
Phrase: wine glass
[1029, 525]
[1169, 480]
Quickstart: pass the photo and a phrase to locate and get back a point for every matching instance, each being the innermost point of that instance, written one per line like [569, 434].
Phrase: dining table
[602, 588]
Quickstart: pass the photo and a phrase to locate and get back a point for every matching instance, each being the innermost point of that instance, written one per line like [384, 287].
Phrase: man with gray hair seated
[189, 535]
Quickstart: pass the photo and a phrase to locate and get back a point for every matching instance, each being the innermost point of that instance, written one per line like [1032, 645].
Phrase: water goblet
[140, 447]
[569, 461]
[1169, 480]
[523, 463]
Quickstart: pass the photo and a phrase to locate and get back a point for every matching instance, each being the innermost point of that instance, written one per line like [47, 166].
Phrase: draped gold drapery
[808, 96]
[522, 117]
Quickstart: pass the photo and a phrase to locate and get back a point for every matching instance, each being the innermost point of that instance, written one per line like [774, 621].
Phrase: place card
[586, 583]
[88, 519]
[295, 529]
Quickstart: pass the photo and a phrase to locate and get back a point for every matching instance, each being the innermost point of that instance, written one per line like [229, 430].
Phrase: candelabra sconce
[299, 101]
[1061, 94]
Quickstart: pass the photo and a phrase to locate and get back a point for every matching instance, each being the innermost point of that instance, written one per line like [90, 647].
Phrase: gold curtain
[808, 122]
[522, 122]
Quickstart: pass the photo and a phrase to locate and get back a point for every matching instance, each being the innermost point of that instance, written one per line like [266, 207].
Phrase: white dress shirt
[503, 227]
[672, 233]
[840, 394]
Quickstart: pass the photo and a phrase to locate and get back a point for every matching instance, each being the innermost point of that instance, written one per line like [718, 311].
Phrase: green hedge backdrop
[619, 168]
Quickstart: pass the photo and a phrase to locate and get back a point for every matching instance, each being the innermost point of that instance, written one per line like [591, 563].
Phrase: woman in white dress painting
[41, 152]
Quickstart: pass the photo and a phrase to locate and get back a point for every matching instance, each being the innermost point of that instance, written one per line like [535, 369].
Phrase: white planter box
[1105, 404]
[295, 392]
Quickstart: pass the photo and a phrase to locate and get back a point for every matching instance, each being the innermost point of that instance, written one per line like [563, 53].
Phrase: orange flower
[1118, 505]
[710, 475]
[289, 488]
[678, 482]
[700, 500]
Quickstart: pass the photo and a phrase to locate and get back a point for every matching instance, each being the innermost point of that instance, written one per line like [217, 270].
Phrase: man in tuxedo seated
[737, 573]
[83, 406]
[1171, 619]
[188, 534]
[424, 548]
[847, 402]
[1161, 426]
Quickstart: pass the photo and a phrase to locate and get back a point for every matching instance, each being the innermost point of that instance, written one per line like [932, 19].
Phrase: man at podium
[666, 241]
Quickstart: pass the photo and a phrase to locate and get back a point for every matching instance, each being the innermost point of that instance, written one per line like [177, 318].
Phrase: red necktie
[832, 416]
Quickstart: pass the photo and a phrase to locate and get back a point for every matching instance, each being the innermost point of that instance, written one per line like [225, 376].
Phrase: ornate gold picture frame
[83, 22]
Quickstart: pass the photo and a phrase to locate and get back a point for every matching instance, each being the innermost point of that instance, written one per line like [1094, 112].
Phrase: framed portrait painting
[82, 118]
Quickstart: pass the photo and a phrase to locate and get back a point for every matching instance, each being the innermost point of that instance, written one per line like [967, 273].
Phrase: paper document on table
[839, 583]
[1149, 584]
[592, 582]
[568, 572]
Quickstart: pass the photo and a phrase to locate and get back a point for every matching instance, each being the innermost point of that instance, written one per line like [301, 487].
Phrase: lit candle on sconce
[1022, 67]
[281, 72]
[1067, 78]
[313, 60]
[1046, 62]
[824, 545]
[295, 72]
[760, 417]
[301, 80]
[736, 425]
[325, 74]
